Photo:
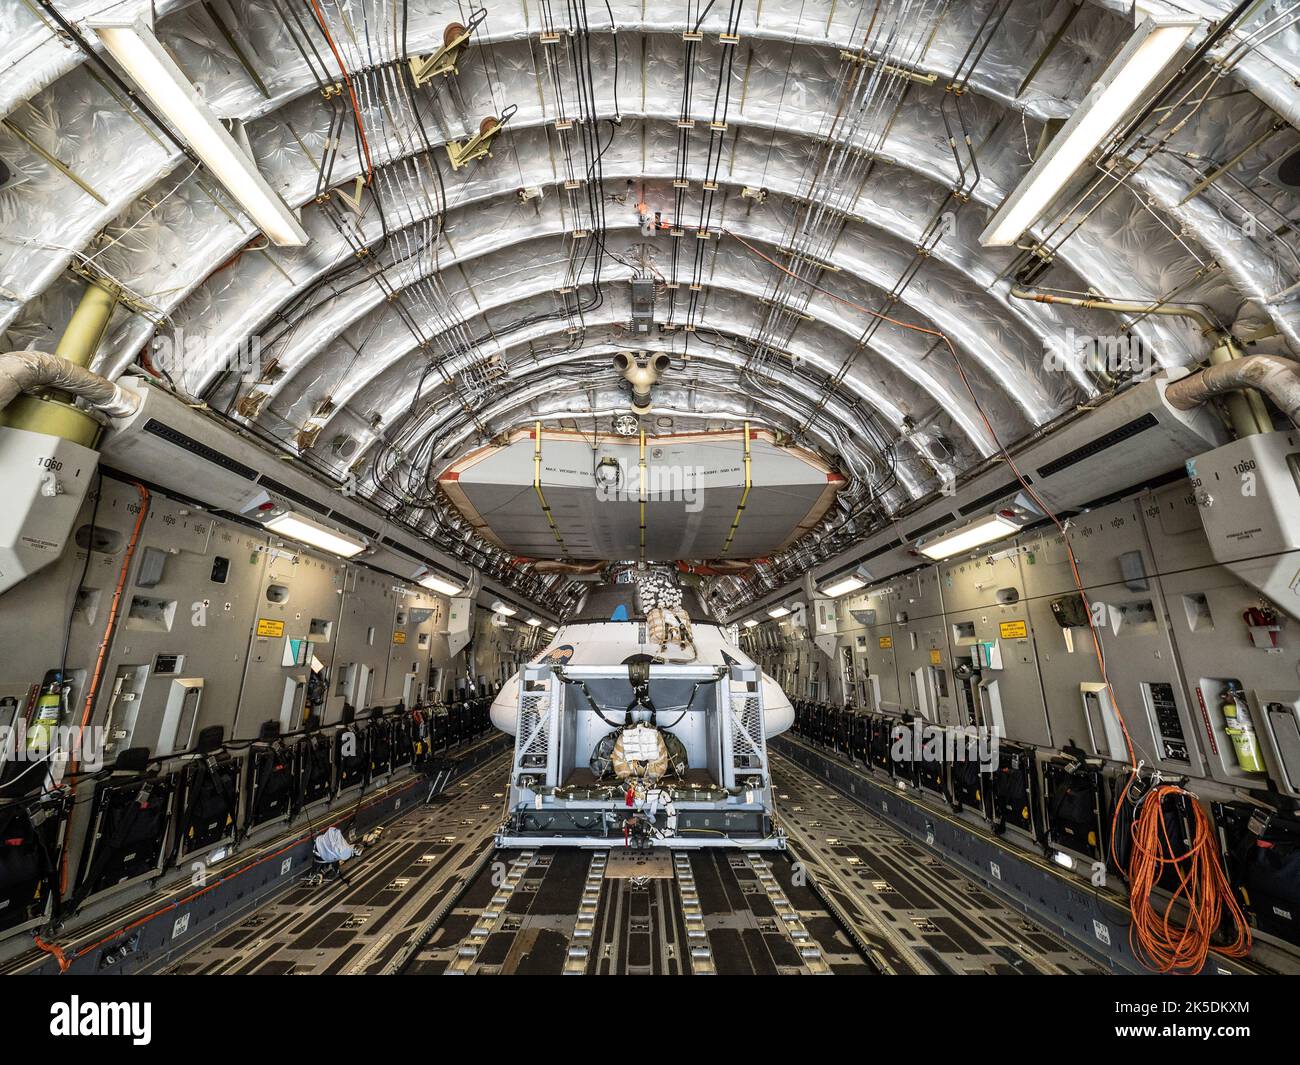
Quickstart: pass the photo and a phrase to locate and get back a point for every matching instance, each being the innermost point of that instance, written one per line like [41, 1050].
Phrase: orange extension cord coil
[1158, 940]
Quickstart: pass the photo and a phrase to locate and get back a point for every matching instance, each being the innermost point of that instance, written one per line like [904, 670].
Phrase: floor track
[401, 882]
[432, 895]
[597, 913]
[916, 913]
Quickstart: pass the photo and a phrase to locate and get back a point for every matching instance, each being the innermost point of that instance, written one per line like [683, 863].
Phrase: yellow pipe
[85, 329]
[54, 413]
[51, 418]
[744, 497]
[1246, 410]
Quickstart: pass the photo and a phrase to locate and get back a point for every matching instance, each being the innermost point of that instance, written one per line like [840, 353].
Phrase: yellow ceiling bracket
[461, 153]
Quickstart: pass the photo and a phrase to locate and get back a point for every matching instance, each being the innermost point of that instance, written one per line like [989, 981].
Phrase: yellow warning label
[399, 637]
[1013, 630]
[269, 627]
[936, 658]
[886, 642]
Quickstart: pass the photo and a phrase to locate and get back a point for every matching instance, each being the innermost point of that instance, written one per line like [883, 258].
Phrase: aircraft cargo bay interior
[761, 487]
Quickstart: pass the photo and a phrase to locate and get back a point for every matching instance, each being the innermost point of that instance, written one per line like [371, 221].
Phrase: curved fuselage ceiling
[756, 214]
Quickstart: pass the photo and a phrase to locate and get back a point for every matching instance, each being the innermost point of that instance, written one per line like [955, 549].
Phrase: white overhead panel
[573, 496]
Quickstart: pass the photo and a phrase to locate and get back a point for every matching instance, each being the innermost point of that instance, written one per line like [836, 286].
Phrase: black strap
[222, 787]
[48, 862]
[265, 768]
[109, 848]
[311, 756]
[582, 685]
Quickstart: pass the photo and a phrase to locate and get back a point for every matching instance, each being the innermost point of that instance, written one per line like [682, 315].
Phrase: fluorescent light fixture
[1153, 44]
[440, 585]
[843, 586]
[533, 622]
[296, 527]
[778, 612]
[505, 611]
[750, 623]
[1063, 860]
[971, 536]
[552, 628]
[156, 74]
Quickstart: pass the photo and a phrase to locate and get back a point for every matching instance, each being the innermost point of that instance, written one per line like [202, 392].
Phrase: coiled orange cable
[1158, 939]
[60, 955]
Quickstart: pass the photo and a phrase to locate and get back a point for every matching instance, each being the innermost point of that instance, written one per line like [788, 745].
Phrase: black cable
[613, 34]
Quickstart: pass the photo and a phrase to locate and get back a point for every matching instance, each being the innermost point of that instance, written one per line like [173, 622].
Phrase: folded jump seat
[129, 822]
[271, 772]
[31, 838]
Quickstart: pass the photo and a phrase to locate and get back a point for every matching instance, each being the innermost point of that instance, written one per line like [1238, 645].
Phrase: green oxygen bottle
[46, 716]
[1238, 726]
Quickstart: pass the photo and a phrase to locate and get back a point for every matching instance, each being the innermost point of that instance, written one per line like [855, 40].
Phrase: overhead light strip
[968, 537]
[1155, 42]
[842, 586]
[441, 585]
[296, 527]
[157, 75]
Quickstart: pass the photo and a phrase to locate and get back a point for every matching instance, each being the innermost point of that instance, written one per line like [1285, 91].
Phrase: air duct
[27, 371]
[1245, 408]
[47, 442]
[719, 567]
[641, 371]
[1277, 377]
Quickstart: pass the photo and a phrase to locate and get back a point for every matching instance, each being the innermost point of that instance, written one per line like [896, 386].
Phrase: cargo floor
[432, 895]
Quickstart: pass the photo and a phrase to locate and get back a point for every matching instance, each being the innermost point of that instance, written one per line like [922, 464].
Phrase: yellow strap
[643, 495]
[743, 497]
[537, 486]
